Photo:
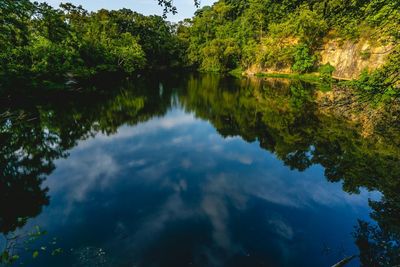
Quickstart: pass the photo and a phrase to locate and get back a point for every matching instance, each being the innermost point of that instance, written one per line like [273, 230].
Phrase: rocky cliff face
[350, 58]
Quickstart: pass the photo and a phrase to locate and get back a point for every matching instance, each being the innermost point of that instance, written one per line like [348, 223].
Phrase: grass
[309, 77]
[236, 72]
[312, 78]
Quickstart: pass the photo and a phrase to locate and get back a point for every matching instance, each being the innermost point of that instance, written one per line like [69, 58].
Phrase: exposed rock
[350, 58]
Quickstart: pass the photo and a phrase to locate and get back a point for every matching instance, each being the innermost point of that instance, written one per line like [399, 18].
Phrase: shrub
[326, 72]
[303, 60]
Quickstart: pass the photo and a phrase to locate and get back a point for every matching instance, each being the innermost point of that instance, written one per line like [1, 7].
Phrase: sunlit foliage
[38, 41]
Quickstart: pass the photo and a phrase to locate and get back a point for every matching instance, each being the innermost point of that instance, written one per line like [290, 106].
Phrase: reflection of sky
[172, 190]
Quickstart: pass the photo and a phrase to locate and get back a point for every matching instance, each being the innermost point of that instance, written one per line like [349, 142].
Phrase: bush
[382, 84]
[303, 60]
[325, 72]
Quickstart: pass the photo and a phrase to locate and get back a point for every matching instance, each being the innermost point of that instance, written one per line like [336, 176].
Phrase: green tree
[304, 61]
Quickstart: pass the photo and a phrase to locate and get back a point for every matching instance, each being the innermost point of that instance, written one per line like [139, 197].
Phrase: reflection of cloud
[198, 178]
[137, 163]
[186, 163]
[82, 175]
[277, 192]
[281, 228]
[217, 193]
[180, 186]
[244, 159]
[226, 186]
[152, 225]
[155, 171]
[216, 148]
[287, 188]
[171, 120]
[182, 139]
[174, 121]
[215, 208]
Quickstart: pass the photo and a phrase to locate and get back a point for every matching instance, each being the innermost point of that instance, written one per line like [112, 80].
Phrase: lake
[194, 170]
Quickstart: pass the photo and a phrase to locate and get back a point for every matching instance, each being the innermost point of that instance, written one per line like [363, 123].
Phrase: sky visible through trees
[186, 8]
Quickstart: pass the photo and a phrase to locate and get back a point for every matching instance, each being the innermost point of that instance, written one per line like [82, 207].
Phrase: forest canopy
[38, 41]
[288, 35]
[235, 33]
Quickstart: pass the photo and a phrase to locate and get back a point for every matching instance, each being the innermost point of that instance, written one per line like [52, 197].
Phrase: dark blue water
[171, 175]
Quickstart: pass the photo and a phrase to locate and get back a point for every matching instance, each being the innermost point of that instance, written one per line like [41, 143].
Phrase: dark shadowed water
[194, 170]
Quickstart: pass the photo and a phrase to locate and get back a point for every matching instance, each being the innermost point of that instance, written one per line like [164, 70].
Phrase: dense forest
[40, 42]
[281, 34]
[235, 33]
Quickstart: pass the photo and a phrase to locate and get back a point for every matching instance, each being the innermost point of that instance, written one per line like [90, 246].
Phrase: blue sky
[186, 8]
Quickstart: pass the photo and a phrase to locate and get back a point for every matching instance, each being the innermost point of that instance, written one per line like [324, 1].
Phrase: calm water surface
[195, 171]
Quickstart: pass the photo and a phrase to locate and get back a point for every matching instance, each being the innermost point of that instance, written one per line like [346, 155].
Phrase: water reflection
[157, 174]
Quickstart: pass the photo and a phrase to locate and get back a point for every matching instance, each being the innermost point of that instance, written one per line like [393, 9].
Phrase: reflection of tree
[25, 157]
[277, 114]
[37, 130]
[377, 247]
[284, 119]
